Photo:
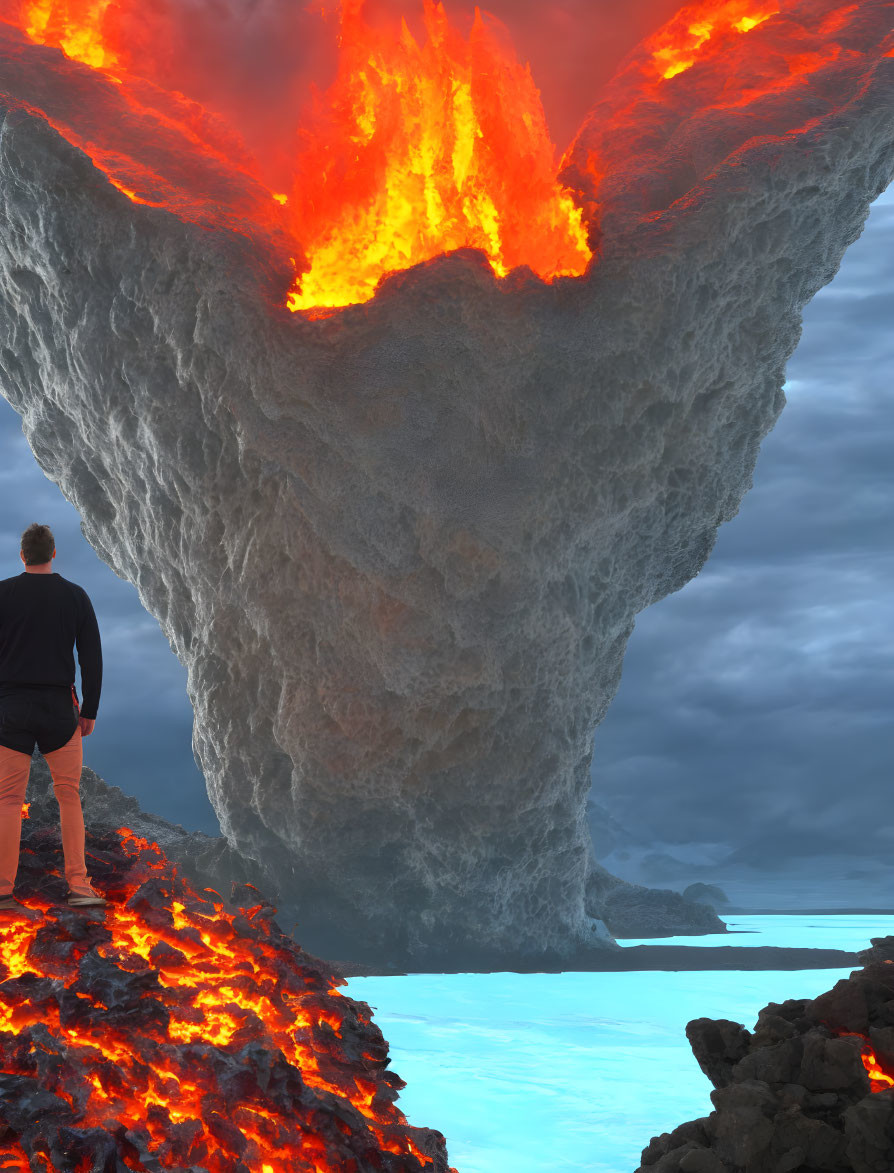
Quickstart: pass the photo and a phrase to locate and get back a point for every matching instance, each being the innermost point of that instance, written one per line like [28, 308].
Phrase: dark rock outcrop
[208, 860]
[178, 1031]
[809, 1090]
[710, 894]
[632, 910]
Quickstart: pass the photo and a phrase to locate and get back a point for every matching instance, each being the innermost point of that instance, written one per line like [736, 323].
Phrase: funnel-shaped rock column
[401, 548]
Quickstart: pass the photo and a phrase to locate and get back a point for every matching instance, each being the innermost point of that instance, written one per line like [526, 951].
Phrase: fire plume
[420, 149]
[74, 25]
[178, 1033]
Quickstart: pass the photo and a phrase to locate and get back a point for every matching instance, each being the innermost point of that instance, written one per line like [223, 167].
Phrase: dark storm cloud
[142, 740]
[762, 689]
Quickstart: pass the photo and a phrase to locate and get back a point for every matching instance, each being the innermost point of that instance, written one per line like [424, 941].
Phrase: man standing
[41, 615]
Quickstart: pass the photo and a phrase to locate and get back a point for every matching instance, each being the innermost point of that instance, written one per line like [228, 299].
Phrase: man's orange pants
[65, 767]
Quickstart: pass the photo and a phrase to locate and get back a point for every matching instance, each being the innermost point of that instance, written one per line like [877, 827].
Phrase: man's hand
[86, 725]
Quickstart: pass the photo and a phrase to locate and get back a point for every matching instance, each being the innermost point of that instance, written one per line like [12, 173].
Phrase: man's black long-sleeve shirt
[41, 617]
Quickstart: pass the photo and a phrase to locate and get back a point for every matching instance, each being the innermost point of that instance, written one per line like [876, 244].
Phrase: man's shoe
[82, 899]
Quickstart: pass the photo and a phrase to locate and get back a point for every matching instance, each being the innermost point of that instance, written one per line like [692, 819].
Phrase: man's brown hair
[38, 544]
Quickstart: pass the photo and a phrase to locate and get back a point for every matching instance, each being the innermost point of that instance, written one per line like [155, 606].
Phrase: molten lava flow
[416, 150]
[676, 47]
[879, 1079]
[419, 149]
[192, 1035]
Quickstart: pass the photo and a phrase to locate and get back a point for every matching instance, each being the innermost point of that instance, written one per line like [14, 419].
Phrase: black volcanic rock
[810, 1090]
[170, 1032]
[718, 1045]
[205, 859]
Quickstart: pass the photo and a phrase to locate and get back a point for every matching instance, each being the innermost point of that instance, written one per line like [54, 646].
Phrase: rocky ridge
[809, 1090]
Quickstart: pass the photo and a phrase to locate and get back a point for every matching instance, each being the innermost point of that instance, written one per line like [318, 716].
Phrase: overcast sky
[755, 706]
[755, 702]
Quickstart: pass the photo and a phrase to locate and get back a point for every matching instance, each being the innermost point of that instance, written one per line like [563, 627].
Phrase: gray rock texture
[794, 1095]
[207, 860]
[709, 894]
[400, 549]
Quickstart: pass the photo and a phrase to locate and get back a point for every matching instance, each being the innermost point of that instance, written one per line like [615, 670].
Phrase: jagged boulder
[806, 1091]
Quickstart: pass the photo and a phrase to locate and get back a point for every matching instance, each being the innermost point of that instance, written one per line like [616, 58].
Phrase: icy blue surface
[787, 930]
[530, 1073]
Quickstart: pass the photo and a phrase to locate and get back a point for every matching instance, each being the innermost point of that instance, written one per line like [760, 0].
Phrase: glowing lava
[417, 148]
[191, 1035]
[676, 47]
[879, 1079]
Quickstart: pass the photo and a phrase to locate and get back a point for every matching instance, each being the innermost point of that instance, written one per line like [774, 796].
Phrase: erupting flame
[417, 148]
[420, 149]
[74, 25]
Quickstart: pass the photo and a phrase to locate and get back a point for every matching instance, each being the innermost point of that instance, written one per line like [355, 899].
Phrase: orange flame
[879, 1079]
[417, 149]
[420, 149]
[74, 25]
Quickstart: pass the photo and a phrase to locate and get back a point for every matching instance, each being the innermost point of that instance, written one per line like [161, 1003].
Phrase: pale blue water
[789, 931]
[530, 1073]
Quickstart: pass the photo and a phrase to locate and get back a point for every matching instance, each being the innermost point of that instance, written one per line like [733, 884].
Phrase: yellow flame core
[74, 25]
[420, 155]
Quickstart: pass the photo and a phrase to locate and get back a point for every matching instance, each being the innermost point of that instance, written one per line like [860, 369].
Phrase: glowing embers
[418, 149]
[167, 1032]
[879, 1079]
[74, 25]
[676, 47]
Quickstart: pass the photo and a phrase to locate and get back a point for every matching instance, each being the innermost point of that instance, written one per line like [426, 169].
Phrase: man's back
[41, 617]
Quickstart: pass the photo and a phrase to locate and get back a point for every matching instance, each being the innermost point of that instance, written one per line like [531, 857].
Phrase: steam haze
[254, 62]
